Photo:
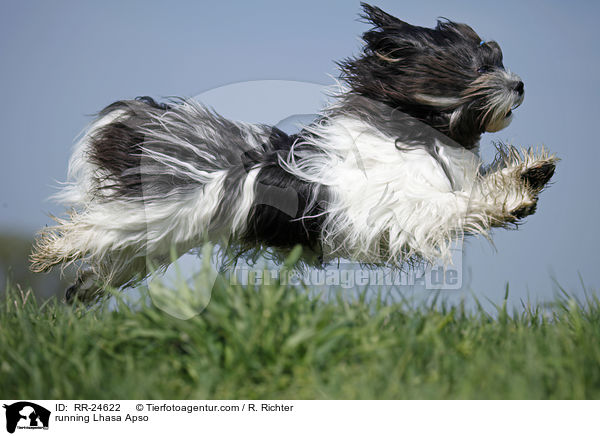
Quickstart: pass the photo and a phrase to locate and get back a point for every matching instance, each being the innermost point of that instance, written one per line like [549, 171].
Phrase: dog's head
[447, 77]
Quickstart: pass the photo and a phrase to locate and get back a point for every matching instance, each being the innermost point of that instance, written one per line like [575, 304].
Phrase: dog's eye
[484, 69]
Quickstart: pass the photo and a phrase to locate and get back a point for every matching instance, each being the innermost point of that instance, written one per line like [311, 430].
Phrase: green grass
[278, 342]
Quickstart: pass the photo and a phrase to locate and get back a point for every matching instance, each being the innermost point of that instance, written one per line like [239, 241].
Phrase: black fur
[284, 213]
[400, 61]
[117, 148]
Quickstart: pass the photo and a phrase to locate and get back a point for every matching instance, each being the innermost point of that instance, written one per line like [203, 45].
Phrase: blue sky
[62, 61]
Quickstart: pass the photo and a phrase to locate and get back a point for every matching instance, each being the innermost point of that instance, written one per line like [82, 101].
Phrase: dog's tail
[107, 149]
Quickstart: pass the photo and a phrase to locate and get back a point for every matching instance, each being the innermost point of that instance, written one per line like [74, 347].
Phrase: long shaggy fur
[390, 172]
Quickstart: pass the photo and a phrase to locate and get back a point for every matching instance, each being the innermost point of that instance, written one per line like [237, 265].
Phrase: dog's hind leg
[92, 280]
[111, 252]
[59, 244]
[85, 287]
[75, 240]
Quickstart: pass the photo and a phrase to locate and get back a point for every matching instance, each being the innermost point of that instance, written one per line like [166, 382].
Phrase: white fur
[387, 202]
[387, 206]
[502, 100]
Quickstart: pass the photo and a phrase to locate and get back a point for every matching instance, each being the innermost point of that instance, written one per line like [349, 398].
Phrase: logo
[26, 415]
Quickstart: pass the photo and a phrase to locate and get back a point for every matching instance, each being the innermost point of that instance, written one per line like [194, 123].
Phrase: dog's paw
[537, 175]
[84, 290]
[524, 210]
[532, 167]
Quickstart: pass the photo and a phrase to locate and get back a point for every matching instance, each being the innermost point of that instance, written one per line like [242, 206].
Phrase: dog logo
[26, 415]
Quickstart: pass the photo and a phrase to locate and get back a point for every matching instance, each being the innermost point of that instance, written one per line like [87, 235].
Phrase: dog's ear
[389, 34]
[461, 30]
[380, 18]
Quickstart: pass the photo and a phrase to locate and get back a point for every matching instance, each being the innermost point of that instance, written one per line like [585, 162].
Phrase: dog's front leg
[509, 191]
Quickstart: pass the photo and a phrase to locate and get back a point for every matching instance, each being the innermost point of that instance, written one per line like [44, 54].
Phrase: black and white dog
[389, 173]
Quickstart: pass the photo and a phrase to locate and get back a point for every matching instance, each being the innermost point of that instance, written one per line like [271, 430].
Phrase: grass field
[276, 342]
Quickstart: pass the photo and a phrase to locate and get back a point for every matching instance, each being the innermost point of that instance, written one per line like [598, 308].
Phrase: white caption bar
[22, 417]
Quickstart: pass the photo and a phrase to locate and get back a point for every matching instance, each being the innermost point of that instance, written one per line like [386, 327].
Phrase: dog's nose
[520, 87]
